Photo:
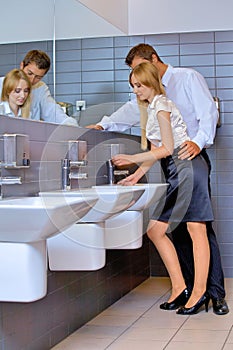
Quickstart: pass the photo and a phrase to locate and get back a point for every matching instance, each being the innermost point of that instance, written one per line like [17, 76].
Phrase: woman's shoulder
[5, 108]
[161, 102]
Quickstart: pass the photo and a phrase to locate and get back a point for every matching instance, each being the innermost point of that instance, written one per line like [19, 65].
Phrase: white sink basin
[111, 200]
[153, 193]
[31, 219]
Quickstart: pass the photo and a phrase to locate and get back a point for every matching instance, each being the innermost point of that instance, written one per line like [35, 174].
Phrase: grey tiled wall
[94, 70]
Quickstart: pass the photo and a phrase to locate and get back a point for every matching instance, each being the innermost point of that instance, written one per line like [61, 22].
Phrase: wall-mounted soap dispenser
[16, 151]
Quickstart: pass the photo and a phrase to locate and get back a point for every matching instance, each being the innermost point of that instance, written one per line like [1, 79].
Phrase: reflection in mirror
[80, 44]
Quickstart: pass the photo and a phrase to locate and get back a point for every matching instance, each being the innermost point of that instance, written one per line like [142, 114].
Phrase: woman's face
[143, 92]
[18, 96]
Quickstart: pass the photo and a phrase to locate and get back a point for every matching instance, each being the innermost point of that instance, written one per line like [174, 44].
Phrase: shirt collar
[8, 111]
[167, 76]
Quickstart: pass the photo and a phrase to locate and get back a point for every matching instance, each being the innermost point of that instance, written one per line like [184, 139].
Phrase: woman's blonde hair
[10, 83]
[147, 74]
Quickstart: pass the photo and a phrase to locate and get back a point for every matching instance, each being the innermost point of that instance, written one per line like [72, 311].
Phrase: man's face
[33, 72]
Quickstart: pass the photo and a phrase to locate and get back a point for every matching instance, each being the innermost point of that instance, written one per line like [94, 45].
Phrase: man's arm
[205, 110]
[124, 118]
[207, 116]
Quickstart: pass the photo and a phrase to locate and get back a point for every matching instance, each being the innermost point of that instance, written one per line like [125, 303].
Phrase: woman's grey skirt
[187, 198]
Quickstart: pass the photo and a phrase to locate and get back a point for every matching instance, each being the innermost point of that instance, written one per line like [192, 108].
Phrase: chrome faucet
[112, 172]
[65, 174]
[75, 160]
[68, 174]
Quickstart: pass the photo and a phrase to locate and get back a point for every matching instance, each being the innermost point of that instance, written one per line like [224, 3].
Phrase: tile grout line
[139, 317]
[176, 332]
[225, 342]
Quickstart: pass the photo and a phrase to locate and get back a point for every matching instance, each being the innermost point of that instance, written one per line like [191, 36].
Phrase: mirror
[49, 20]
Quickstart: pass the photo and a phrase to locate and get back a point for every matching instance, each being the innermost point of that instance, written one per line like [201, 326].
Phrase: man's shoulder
[40, 90]
[40, 84]
[185, 71]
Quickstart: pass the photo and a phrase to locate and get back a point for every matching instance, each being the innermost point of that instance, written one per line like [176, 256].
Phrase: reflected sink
[32, 219]
[153, 192]
[111, 200]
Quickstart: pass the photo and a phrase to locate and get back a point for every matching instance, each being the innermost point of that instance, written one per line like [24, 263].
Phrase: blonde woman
[187, 199]
[15, 98]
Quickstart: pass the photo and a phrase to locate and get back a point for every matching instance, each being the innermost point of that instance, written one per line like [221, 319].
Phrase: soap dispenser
[16, 151]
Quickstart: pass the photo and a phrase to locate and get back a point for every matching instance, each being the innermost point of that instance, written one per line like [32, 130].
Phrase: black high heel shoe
[179, 301]
[204, 300]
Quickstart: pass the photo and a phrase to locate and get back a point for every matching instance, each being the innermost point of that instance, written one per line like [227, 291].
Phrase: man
[36, 64]
[188, 89]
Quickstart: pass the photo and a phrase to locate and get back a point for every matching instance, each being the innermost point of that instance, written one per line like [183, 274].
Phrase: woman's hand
[129, 180]
[122, 159]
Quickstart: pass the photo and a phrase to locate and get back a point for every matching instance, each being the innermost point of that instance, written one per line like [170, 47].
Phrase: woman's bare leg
[157, 234]
[201, 255]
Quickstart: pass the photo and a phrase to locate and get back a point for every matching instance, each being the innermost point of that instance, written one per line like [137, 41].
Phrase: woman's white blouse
[179, 129]
[5, 109]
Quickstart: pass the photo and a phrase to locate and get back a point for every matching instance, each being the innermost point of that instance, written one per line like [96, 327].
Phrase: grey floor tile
[137, 322]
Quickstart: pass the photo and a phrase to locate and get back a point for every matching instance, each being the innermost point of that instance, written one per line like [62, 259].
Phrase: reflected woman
[16, 91]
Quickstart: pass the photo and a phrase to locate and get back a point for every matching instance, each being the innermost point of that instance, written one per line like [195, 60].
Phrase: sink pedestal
[26, 223]
[83, 245]
[80, 247]
[124, 231]
[23, 271]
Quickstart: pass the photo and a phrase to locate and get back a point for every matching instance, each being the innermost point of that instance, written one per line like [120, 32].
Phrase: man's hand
[189, 150]
[94, 126]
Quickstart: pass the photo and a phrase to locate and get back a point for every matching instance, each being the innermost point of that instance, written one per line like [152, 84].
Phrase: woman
[187, 198]
[15, 99]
